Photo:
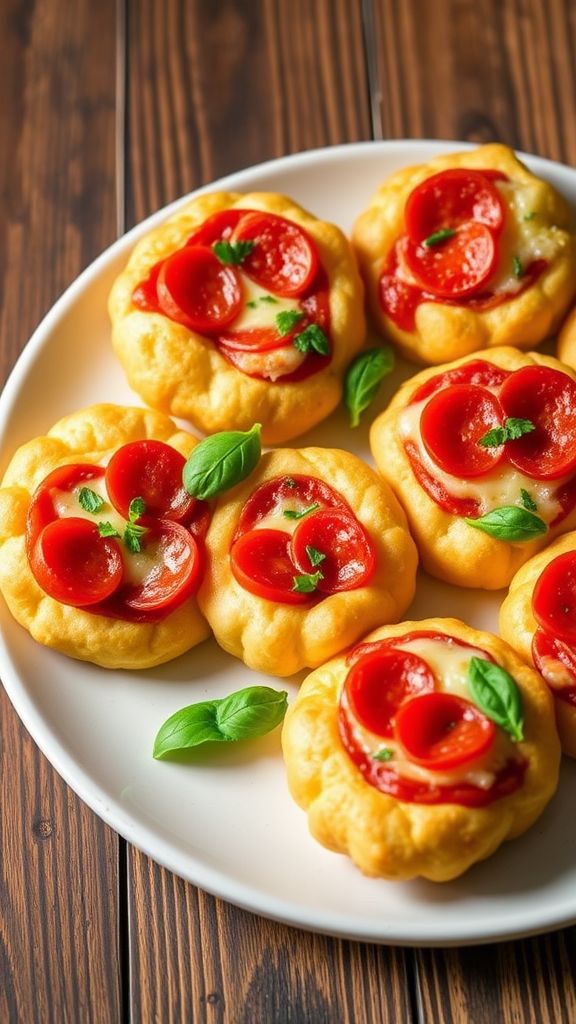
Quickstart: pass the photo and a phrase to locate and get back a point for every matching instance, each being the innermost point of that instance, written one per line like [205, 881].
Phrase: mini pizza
[483, 457]
[304, 556]
[421, 750]
[101, 548]
[538, 618]
[240, 308]
[466, 252]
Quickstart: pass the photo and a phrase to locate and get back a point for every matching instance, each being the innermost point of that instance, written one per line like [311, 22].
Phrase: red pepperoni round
[284, 259]
[254, 339]
[294, 493]
[441, 731]
[74, 564]
[170, 567]
[547, 398]
[450, 199]
[457, 267]
[380, 682]
[556, 662]
[150, 470]
[216, 228]
[452, 424]
[554, 598]
[260, 561]
[198, 291]
[477, 371]
[348, 553]
[64, 478]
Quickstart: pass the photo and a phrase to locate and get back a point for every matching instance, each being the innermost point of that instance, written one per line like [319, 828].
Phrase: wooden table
[109, 111]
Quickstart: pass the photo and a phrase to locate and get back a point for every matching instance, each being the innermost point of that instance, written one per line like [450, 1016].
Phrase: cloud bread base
[180, 372]
[280, 638]
[90, 435]
[391, 839]
[445, 332]
[449, 548]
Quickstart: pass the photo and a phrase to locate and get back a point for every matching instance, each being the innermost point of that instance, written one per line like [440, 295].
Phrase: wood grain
[58, 862]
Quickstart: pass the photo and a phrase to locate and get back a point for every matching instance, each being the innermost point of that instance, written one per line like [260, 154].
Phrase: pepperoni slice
[416, 634]
[168, 569]
[380, 682]
[556, 662]
[260, 561]
[337, 545]
[74, 564]
[477, 371]
[452, 424]
[150, 470]
[441, 731]
[64, 478]
[435, 489]
[216, 228]
[547, 398]
[284, 259]
[554, 598]
[457, 267]
[254, 339]
[294, 493]
[450, 199]
[198, 291]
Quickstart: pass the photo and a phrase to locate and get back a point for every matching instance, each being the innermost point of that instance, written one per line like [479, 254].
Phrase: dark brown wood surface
[108, 112]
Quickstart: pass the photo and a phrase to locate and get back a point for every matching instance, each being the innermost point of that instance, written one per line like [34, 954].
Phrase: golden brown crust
[182, 373]
[518, 625]
[449, 548]
[445, 332]
[282, 639]
[566, 350]
[90, 435]
[392, 839]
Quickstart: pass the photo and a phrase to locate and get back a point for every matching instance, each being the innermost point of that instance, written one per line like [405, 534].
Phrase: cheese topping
[449, 662]
[501, 486]
[556, 674]
[260, 307]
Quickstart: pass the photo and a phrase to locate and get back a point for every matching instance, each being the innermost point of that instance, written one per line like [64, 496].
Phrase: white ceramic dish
[223, 819]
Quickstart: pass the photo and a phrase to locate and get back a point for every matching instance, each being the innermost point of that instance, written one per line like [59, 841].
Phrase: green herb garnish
[363, 379]
[511, 431]
[315, 557]
[307, 582]
[291, 513]
[384, 754]
[270, 299]
[497, 695]
[232, 253]
[286, 320]
[528, 501]
[510, 523]
[90, 501]
[529, 216]
[221, 461]
[242, 715]
[312, 339]
[437, 237]
[107, 530]
[517, 267]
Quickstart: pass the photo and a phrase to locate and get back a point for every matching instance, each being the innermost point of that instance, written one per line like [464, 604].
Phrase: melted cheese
[273, 364]
[258, 311]
[501, 486]
[449, 662]
[556, 674]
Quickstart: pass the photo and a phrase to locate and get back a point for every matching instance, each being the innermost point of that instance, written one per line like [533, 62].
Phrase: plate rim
[111, 811]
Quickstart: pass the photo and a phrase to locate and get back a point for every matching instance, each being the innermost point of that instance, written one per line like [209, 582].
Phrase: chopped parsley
[307, 582]
[312, 339]
[437, 237]
[90, 501]
[528, 501]
[291, 513]
[513, 429]
[286, 320]
[517, 267]
[232, 253]
[315, 557]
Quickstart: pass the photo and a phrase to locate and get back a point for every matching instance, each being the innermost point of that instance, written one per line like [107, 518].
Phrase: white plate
[224, 819]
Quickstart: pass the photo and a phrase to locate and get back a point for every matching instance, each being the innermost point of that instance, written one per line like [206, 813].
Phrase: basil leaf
[221, 461]
[312, 339]
[291, 513]
[497, 695]
[510, 523]
[232, 253]
[90, 501]
[363, 379]
[527, 500]
[287, 320]
[439, 236]
[307, 582]
[244, 714]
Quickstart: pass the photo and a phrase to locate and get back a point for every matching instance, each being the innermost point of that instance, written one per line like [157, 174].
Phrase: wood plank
[197, 958]
[58, 876]
[213, 87]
